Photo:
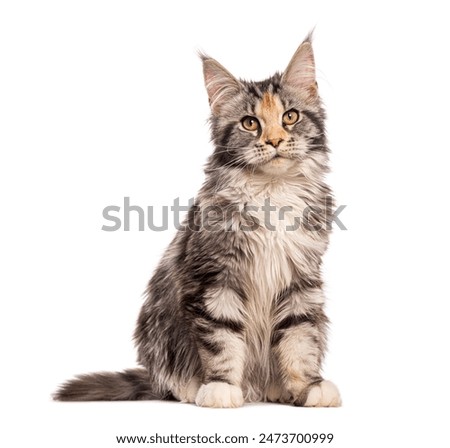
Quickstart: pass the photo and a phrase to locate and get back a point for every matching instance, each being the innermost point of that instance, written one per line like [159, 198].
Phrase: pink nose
[275, 142]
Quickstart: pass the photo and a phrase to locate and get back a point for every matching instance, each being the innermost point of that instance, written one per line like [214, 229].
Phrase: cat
[234, 312]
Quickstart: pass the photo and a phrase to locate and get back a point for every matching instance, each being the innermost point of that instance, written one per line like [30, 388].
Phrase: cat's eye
[250, 123]
[290, 117]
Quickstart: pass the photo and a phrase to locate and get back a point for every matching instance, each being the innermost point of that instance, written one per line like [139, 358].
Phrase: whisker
[241, 163]
[236, 148]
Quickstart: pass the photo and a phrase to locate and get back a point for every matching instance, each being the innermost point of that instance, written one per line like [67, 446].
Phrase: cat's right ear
[220, 84]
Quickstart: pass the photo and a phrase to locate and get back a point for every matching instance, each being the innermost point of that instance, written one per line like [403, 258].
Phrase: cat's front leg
[219, 328]
[298, 344]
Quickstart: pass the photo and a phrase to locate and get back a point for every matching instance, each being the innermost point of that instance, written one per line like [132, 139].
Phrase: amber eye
[250, 123]
[290, 117]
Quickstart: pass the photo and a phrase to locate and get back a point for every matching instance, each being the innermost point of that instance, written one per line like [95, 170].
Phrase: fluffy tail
[132, 384]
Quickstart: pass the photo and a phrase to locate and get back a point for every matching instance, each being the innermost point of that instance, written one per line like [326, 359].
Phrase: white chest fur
[281, 242]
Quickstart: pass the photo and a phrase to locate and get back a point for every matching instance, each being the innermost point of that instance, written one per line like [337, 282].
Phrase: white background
[104, 99]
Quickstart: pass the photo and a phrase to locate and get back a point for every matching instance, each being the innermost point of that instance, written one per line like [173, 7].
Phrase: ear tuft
[220, 84]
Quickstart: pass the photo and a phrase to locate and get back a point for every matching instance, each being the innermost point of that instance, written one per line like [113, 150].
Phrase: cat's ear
[301, 71]
[220, 84]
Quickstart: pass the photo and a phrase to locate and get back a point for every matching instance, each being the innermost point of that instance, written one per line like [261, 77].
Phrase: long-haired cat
[234, 312]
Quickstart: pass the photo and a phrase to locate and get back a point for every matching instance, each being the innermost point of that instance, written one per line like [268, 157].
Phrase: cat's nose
[275, 142]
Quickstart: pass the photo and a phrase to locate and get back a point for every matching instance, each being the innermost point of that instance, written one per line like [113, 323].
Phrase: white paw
[325, 394]
[219, 395]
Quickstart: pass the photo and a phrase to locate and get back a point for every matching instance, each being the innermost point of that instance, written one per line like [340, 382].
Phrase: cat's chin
[278, 165]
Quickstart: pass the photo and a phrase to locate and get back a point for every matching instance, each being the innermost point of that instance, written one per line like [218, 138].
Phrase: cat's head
[272, 126]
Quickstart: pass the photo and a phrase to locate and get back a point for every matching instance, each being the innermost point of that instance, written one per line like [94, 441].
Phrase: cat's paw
[219, 395]
[325, 394]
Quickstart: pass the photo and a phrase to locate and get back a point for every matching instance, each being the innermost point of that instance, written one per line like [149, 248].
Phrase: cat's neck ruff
[237, 185]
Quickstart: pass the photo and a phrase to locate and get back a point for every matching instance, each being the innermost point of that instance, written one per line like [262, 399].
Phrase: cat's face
[271, 126]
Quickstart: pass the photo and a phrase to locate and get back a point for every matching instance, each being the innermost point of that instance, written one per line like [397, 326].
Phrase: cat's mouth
[278, 158]
[279, 163]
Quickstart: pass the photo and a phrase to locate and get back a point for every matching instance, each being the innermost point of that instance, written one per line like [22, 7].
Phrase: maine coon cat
[234, 312]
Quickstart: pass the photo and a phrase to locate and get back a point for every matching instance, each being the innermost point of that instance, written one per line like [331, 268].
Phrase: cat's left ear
[220, 84]
[301, 71]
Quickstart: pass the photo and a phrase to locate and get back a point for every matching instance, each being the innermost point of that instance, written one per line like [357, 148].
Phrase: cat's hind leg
[186, 392]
